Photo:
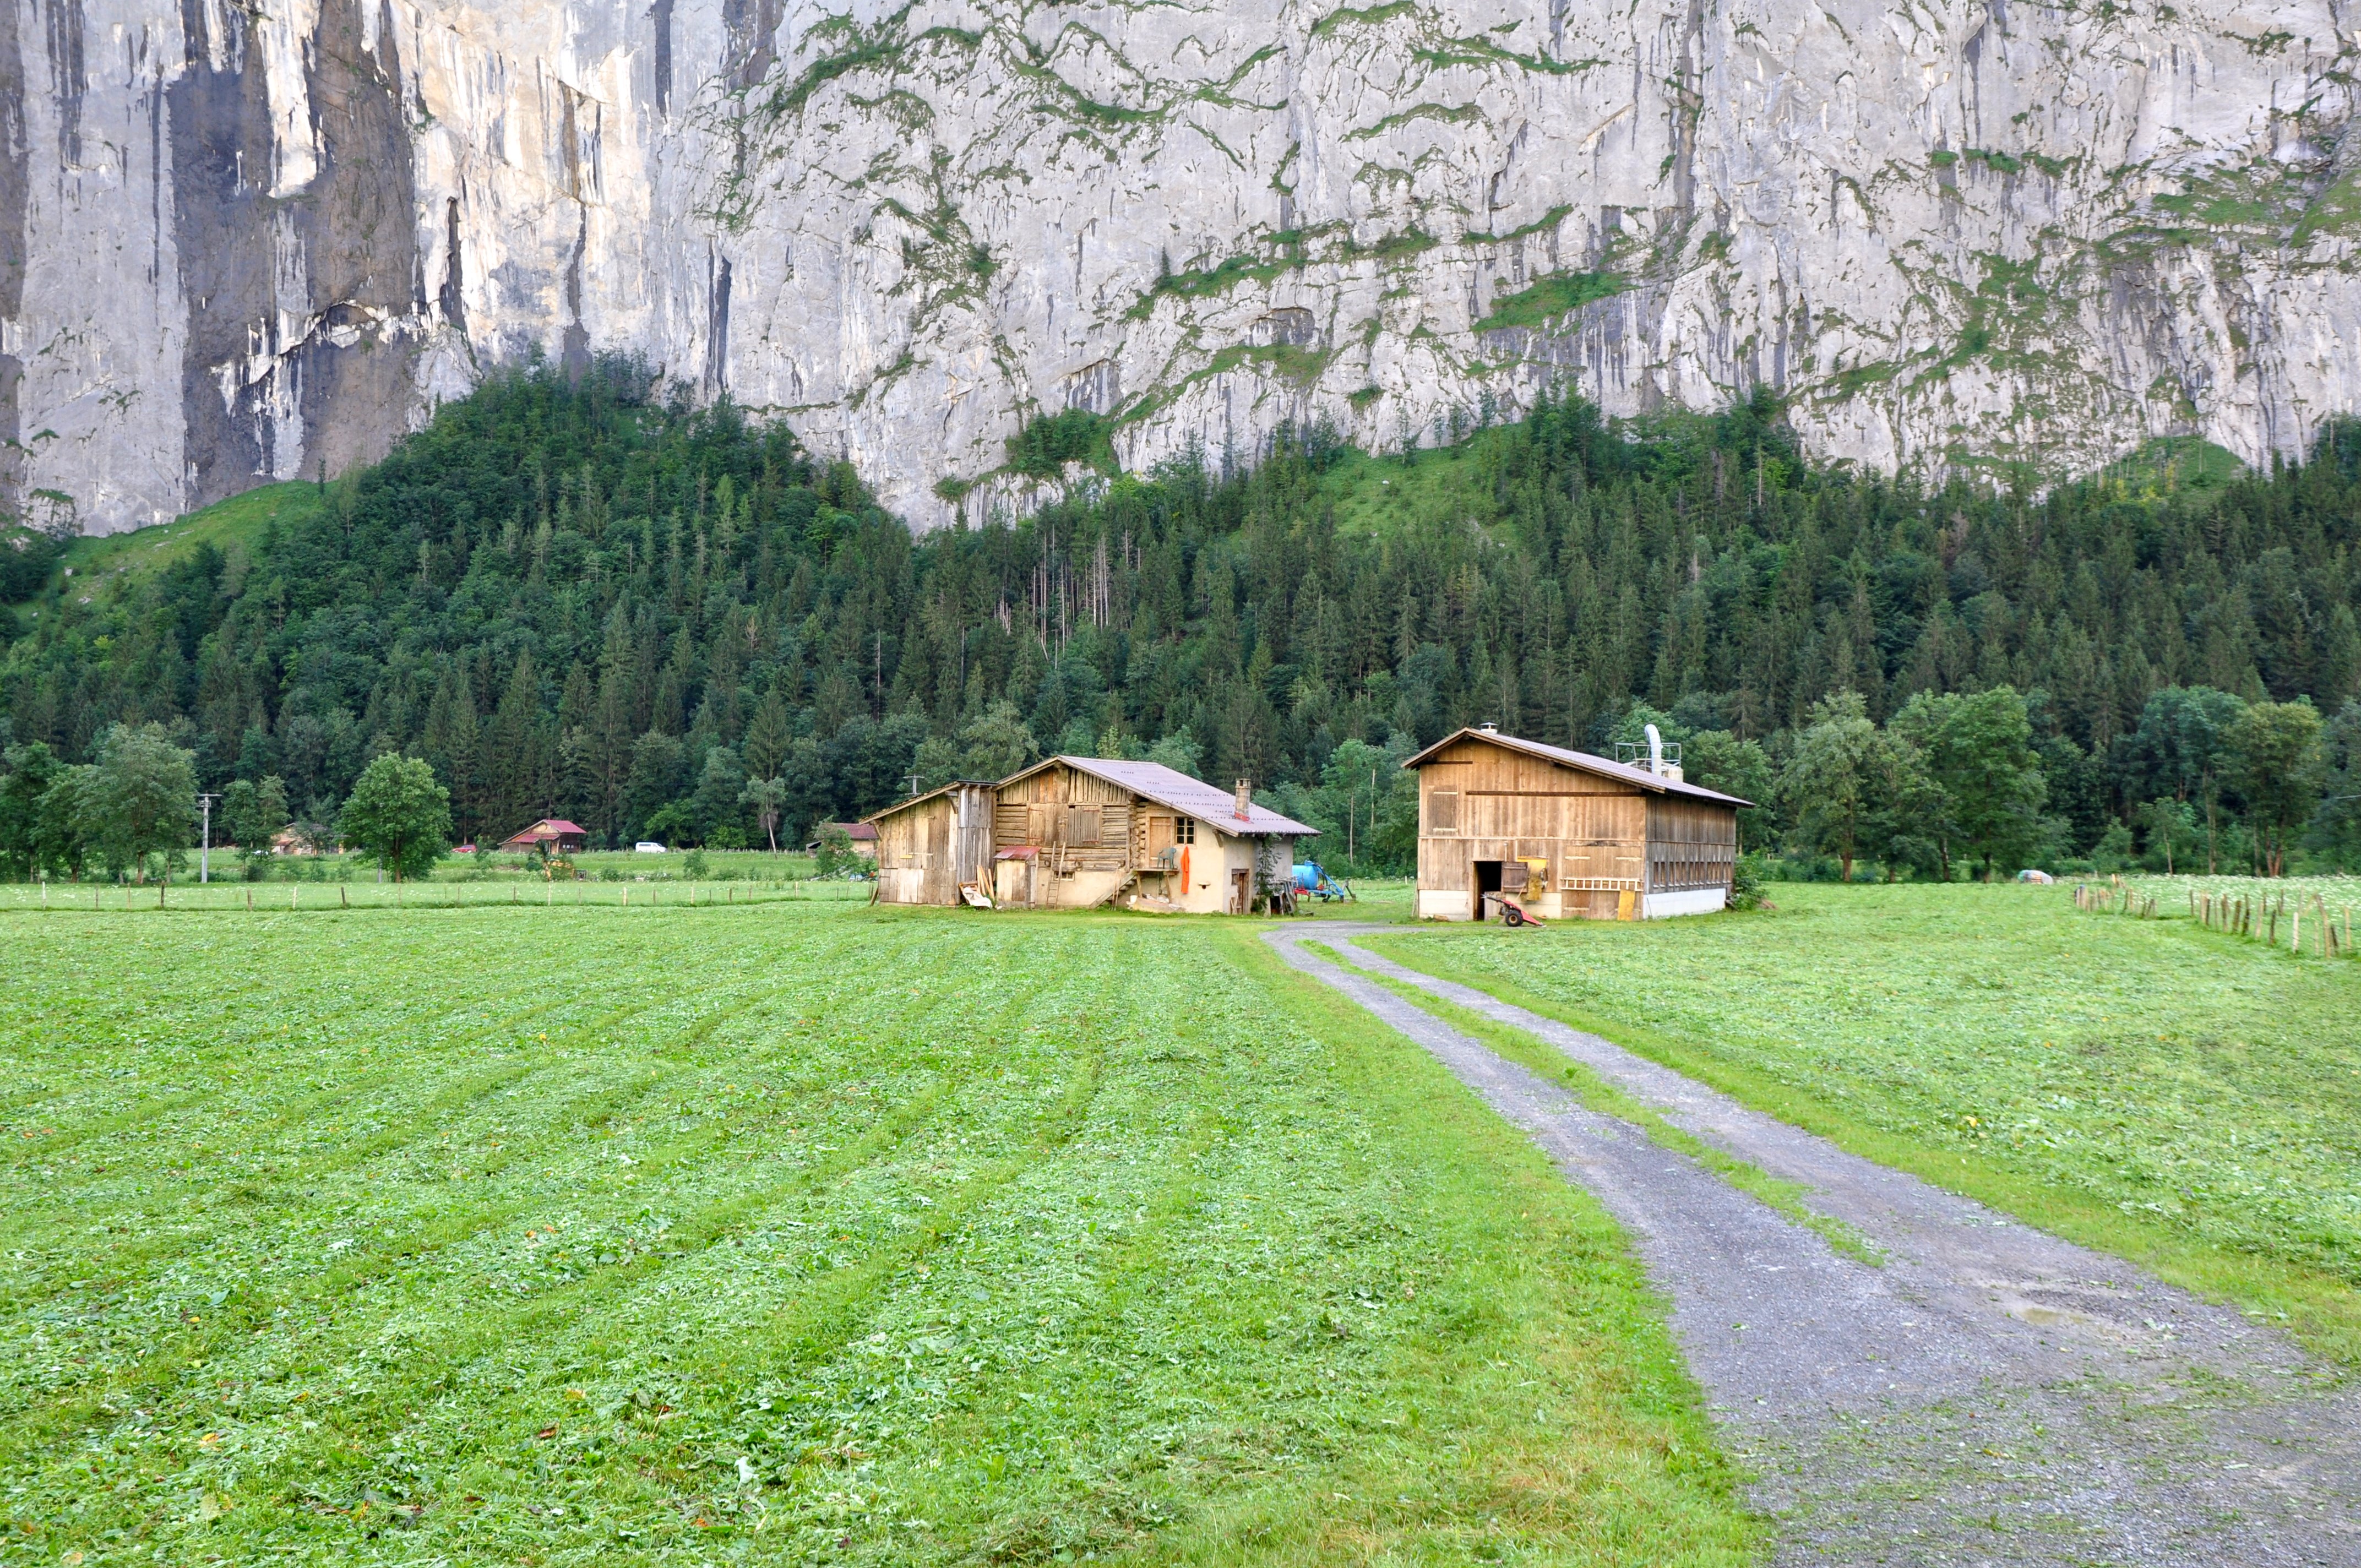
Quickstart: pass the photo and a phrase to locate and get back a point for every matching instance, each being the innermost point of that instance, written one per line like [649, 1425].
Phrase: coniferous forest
[576, 600]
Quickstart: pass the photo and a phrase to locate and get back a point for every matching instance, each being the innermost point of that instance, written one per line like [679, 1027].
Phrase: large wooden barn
[1078, 832]
[1565, 833]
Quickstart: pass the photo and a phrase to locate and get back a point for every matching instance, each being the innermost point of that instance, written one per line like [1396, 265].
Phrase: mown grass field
[790, 1233]
[2187, 1099]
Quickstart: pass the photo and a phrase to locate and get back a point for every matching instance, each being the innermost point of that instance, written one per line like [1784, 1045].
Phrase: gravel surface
[1989, 1395]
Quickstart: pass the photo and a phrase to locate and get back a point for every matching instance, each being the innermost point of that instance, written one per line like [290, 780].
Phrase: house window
[1184, 830]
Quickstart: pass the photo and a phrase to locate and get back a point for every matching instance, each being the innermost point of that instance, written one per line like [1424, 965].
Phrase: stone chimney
[1243, 807]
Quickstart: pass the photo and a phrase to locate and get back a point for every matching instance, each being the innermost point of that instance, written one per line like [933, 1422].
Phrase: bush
[1746, 883]
[836, 856]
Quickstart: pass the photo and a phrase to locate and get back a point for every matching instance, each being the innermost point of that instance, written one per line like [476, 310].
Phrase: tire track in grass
[387, 1258]
[487, 1329]
[571, 1301]
[817, 1323]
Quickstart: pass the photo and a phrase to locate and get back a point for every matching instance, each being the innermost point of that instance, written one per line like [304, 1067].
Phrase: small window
[1083, 825]
[1443, 811]
[1184, 830]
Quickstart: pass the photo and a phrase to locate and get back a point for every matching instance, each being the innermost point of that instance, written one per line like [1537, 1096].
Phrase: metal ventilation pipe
[1655, 751]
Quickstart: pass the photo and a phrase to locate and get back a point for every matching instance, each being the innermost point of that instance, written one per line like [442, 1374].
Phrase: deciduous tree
[141, 798]
[400, 815]
[2274, 765]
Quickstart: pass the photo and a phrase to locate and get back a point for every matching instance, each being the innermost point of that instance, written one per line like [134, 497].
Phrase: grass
[240, 520]
[1374, 495]
[1550, 299]
[790, 1233]
[2188, 1100]
[1595, 1093]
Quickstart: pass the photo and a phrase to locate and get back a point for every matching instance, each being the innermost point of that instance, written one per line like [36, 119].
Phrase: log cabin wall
[1082, 828]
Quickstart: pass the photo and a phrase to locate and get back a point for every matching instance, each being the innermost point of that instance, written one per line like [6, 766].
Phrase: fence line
[2310, 925]
[332, 897]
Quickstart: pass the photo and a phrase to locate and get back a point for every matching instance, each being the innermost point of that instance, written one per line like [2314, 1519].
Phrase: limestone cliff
[242, 239]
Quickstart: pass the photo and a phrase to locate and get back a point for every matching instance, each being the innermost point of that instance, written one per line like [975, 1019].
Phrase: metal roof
[1190, 797]
[1640, 778]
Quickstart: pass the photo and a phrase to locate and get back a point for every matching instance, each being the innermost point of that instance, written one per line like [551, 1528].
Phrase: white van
[647, 846]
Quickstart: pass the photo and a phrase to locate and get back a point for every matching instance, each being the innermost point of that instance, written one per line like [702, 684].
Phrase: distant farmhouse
[560, 836]
[863, 837]
[1566, 834]
[1079, 832]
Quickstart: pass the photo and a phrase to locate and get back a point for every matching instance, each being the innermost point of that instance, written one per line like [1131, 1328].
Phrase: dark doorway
[1488, 880]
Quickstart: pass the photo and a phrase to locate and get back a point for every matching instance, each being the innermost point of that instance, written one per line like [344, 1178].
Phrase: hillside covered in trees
[572, 601]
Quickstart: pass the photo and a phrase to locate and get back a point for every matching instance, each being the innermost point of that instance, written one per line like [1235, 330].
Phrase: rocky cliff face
[245, 239]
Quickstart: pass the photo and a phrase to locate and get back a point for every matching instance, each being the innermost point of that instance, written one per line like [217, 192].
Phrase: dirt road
[1989, 1394]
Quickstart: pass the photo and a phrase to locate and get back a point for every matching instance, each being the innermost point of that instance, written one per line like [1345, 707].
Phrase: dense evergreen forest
[575, 600]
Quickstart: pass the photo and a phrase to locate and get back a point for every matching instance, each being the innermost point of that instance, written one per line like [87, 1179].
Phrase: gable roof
[1190, 797]
[548, 827]
[1638, 778]
[882, 812]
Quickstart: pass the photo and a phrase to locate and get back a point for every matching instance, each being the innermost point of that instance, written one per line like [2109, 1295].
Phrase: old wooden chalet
[1566, 834]
[1078, 832]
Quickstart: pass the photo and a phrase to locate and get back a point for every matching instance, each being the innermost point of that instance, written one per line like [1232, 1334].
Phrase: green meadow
[2185, 1098]
[787, 1231]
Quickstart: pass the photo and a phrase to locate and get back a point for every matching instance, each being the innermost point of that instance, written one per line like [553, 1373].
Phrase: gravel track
[1989, 1395]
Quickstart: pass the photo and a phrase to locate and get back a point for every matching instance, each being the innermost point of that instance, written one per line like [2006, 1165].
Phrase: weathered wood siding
[1604, 844]
[927, 849]
[1481, 802]
[1691, 844]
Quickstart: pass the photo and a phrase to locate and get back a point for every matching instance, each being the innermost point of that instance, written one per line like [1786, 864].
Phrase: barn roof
[1190, 797]
[1638, 778]
[884, 812]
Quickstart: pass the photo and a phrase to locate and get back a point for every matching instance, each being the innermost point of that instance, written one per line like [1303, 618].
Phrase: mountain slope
[577, 602]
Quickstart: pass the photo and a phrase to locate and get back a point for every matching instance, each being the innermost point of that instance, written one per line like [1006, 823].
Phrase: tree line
[570, 598]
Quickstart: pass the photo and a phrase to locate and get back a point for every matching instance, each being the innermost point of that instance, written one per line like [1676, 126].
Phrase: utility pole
[205, 843]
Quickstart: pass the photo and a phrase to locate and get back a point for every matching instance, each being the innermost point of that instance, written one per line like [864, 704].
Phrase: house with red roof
[562, 838]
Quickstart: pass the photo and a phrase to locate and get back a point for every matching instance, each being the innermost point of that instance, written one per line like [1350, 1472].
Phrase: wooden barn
[929, 845]
[1567, 833]
[1078, 832]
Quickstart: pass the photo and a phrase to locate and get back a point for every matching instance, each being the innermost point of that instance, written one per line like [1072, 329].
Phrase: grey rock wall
[248, 239]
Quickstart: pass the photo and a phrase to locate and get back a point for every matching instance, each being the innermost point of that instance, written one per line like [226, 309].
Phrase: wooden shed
[1077, 832]
[1569, 834]
[929, 845]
